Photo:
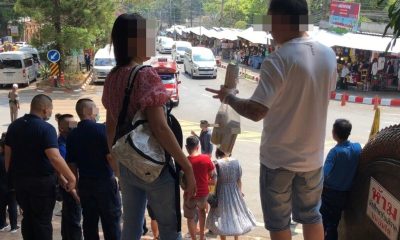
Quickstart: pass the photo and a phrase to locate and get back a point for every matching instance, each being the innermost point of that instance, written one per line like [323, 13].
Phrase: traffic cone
[62, 78]
[376, 102]
[375, 123]
[343, 100]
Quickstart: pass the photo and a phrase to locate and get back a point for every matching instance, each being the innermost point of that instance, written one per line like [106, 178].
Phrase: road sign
[53, 56]
[54, 69]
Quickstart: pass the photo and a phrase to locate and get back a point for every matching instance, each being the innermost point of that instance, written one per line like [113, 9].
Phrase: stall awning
[256, 37]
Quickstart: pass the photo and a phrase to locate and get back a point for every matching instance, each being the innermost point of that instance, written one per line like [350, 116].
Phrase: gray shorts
[284, 192]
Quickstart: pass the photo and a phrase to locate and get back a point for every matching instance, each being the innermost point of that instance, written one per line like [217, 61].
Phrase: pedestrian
[153, 224]
[339, 171]
[13, 102]
[71, 212]
[89, 157]
[87, 61]
[149, 95]
[231, 217]
[343, 74]
[204, 172]
[7, 196]
[205, 138]
[32, 157]
[292, 98]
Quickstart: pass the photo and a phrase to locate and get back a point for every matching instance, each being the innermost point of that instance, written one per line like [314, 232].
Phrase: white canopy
[257, 37]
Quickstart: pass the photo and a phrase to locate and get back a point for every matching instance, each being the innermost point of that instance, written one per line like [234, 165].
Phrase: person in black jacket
[7, 196]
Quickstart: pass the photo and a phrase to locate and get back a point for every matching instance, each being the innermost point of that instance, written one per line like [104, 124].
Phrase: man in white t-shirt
[292, 97]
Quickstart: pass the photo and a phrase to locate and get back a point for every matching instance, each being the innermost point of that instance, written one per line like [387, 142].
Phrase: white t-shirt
[296, 82]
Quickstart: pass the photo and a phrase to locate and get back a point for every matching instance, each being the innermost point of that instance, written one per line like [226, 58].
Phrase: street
[196, 104]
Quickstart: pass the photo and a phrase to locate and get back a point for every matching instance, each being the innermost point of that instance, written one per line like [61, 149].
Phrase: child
[204, 171]
[7, 196]
[13, 100]
[231, 217]
[339, 170]
[205, 138]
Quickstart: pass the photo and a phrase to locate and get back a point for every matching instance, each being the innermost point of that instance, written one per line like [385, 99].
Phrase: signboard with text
[384, 210]
[345, 14]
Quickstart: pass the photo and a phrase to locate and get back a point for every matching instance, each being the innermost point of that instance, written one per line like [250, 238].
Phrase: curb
[253, 78]
[390, 102]
[65, 90]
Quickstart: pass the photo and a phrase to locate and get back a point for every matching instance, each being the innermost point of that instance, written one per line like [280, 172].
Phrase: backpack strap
[128, 91]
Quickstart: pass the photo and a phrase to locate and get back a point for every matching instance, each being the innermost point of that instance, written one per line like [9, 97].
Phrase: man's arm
[329, 163]
[7, 157]
[247, 108]
[55, 158]
[113, 164]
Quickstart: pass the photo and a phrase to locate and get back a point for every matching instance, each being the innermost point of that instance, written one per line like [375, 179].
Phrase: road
[197, 104]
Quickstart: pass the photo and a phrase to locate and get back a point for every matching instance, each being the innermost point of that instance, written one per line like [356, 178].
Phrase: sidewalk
[384, 98]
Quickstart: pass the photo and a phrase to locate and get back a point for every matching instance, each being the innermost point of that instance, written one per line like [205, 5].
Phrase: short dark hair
[294, 9]
[203, 122]
[61, 117]
[80, 104]
[342, 128]
[41, 101]
[192, 142]
[127, 26]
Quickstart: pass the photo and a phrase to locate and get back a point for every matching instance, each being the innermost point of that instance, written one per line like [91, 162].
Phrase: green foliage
[394, 22]
[240, 24]
[70, 24]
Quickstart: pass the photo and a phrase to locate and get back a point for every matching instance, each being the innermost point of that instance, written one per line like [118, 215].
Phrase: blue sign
[53, 56]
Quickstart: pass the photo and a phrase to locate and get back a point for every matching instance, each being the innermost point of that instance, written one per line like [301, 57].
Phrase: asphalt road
[197, 104]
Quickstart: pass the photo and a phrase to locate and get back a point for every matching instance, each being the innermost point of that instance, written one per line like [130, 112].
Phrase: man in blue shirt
[88, 155]
[31, 155]
[71, 210]
[339, 171]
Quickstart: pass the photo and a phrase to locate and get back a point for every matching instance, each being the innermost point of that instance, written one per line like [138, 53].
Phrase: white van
[17, 67]
[200, 62]
[35, 55]
[165, 44]
[103, 62]
[178, 50]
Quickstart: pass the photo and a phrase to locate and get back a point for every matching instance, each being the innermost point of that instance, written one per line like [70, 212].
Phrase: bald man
[32, 158]
[89, 157]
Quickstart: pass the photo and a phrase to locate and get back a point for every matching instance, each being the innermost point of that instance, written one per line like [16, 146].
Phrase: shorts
[284, 192]
[190, 206]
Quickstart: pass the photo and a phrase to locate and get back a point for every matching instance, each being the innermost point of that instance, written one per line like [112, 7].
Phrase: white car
[103, 62]
[17, 67]
[178, 50]
[165, 45]
[200, 62]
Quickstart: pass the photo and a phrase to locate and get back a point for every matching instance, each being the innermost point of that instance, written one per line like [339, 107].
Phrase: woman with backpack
[129, 39]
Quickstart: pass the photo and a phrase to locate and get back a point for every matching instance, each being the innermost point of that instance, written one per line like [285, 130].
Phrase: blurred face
[64, 126]
[281, 26]
[203, 126]
[142, 48]
[91, 112]
[47, 113]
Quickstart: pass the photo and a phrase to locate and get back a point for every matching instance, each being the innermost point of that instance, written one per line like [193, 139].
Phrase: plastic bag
[228, 127]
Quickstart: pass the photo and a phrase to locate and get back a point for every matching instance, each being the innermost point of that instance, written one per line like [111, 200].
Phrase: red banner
[345, 9]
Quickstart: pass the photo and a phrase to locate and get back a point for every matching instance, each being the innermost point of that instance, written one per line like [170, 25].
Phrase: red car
[167, 69]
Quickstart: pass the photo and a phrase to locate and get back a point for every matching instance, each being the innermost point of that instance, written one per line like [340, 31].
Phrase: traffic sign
[53, 56]
[54, 69]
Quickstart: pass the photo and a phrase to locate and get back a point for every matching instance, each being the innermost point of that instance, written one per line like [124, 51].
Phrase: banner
[345, 14]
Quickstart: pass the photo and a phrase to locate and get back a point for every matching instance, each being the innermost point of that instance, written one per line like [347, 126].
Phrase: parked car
[178, 50]
[167, 70]
[200, 62]
[165, 44]
[35, 55]
[103, 62]
[17, 67]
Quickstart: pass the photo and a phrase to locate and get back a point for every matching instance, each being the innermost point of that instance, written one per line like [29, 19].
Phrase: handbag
[138, 149]
[212, 198]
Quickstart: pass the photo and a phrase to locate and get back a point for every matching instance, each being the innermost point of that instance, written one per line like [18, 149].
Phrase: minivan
[103, 62]
[17, 67]
[35, 55]
[200, 62]
[178, 50]
[165, 44]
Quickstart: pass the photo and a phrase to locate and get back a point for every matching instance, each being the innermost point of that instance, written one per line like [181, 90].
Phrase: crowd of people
[294, 181]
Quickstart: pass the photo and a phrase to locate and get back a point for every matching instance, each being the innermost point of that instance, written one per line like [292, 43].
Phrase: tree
[6, 14]
[394, 21]
[70, 24]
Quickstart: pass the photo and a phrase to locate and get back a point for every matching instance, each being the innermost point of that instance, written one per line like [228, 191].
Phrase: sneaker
[4, 228]
[14, 230]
